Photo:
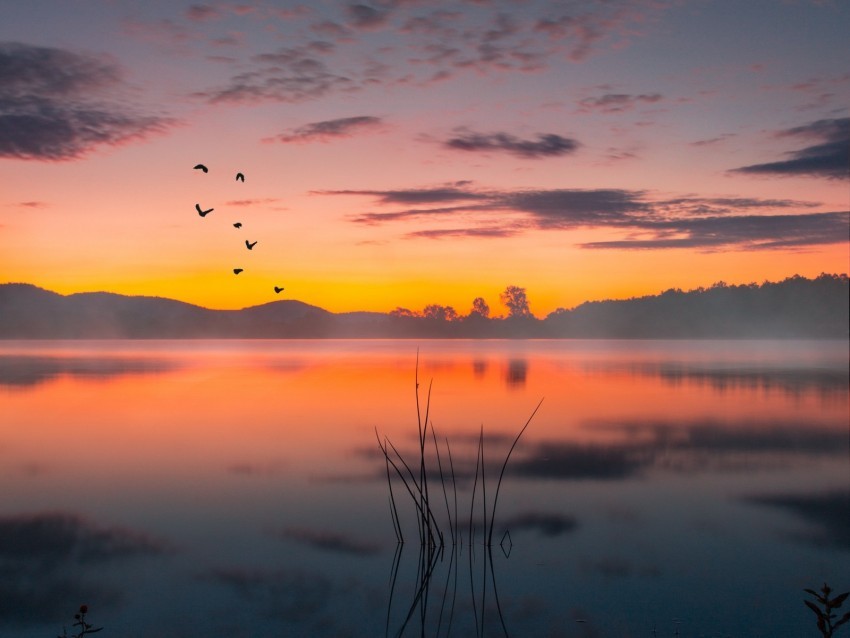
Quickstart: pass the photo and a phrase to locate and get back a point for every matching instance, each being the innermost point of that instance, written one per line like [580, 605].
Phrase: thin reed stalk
[502, 473]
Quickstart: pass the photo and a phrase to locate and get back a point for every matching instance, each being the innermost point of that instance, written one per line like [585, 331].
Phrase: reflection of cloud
[292, 596]
[26, 370]
[828, 513]
[555, 460]
[329, 541]
[544, 523]
[680, 447]
[254, 469]
[52, 104]
[752, 437]
[825, 381]
[48, 539]
[611, 567]
[43, 558]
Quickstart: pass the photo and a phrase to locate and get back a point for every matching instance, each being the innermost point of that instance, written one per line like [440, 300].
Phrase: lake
[237, 488]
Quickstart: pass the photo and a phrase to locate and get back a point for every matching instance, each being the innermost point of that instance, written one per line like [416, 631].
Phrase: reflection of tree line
[27, 370]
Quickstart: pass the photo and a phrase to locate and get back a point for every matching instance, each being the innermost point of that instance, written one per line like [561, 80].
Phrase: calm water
[237, 489]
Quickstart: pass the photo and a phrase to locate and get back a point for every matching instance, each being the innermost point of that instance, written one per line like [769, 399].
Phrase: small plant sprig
[826, 615]
[85, 628]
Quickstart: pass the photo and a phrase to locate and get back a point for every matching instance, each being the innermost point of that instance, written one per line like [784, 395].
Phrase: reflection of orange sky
[272, 414]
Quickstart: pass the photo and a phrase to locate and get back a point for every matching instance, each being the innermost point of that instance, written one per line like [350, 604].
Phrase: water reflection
[24, 371]
[641, 491]
[826, 513]
[479, 367]
[517, 373]
[51, 560]
[796, 382]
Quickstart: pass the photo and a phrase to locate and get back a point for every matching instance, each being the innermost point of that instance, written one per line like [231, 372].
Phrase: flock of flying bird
[203, 213]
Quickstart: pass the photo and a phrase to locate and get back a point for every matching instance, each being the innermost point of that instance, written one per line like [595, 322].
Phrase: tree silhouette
[480, 308]
[403, 312]
[515, 300]
[442, 313]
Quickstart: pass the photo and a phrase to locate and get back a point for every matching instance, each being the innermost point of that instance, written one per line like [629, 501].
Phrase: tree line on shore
[795, 307]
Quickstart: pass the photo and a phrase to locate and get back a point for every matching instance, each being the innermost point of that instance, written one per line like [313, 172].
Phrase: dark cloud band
[829, 159]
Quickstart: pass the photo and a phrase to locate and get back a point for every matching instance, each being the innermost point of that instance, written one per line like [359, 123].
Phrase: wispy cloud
[546, 144]
[753, 232]
[32, 204]
[54, 104]
[327, 130]
[253, 202]
[290, 74]
[202, 12]
[647, 222]
[830, 158]
[429, 43]
[437, 233]
[617, 102]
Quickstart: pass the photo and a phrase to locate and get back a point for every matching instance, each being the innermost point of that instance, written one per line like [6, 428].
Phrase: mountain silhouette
[794, 308]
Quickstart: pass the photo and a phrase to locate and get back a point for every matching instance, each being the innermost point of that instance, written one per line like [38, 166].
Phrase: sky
[399, 153]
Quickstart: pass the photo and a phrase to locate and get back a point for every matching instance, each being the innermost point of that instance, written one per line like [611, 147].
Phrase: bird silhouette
[236, 271]
[250, 245]
[203, 213]
[278, 289]
[237, 225]
[240, 177]
[202, 167]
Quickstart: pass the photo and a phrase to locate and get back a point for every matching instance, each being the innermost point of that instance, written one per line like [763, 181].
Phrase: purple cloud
[329, 129]
[53, 106]
[830, 158]
[617, 102]
[546, 144]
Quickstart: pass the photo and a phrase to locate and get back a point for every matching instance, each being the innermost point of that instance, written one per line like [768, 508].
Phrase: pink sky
[399, 153]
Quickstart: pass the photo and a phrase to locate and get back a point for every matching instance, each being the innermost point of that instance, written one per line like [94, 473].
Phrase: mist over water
[236, 488]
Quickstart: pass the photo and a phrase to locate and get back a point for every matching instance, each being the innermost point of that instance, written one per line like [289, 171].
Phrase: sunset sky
[408, 152]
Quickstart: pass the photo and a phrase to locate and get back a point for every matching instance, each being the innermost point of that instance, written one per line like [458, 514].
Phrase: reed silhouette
[441, 541]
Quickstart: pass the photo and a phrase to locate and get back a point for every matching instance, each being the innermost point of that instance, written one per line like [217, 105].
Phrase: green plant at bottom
[826, 616]
[85, 627]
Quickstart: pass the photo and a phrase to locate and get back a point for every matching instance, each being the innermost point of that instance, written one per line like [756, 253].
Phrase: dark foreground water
[236, 488]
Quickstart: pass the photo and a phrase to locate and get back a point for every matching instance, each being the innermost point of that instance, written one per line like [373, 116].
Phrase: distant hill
[794, 308]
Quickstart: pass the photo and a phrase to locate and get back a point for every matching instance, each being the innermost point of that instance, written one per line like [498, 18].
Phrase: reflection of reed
[436, 610]
[433, 545]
